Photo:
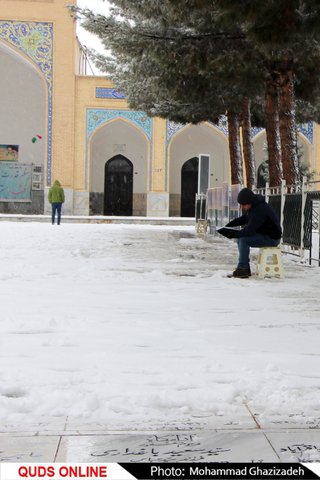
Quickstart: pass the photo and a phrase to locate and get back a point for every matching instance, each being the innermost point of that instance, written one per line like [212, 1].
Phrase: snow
[122, 323]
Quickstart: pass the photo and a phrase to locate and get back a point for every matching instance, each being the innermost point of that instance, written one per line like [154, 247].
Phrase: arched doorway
[23, 128]
[118, 186]
[118, 138]
[188, 143]
[189, 184]
[262, 175]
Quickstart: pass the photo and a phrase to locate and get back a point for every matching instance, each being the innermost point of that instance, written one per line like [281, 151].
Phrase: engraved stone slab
[46, 426]
[289, 421]
[28, 449]
[238, 420]
[168, 447]
[298, 446]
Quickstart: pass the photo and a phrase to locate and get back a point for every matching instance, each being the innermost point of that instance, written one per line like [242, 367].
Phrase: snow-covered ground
[116, 323]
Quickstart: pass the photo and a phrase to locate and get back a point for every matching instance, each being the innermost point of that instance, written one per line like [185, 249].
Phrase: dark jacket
[260, 218]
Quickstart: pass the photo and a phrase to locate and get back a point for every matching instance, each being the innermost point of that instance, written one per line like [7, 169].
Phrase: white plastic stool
[270, 262]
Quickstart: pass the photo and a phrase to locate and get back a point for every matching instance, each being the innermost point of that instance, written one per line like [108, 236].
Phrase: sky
[87, 39]
[134, 326]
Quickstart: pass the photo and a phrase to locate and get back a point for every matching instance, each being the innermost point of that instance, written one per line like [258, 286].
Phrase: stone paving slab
[28, 449]
[49, 426]
[178, 221]
[240, 419]
[164, 446]
[292, 421]
[298, 446]
[240, 436]
[168, 447]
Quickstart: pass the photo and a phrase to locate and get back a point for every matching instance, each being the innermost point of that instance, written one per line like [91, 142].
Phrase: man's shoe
[242, 273]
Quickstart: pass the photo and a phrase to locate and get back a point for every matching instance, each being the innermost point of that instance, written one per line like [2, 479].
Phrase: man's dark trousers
[56, 207]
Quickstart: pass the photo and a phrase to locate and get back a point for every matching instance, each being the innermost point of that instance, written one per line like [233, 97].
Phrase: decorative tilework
[97, 117]
[102, 92]
[35, 40]
[255, 131]
[307, 130]
[173, 128]
[223, 125]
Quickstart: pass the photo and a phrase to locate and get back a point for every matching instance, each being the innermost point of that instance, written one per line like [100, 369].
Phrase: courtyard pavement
[243, 437]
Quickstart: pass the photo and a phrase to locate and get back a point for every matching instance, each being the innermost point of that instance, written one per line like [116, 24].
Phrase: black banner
[198, 471]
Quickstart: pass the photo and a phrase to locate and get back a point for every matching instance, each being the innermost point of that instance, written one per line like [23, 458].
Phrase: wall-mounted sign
[15, 182]
[9, 153]
[37, 177]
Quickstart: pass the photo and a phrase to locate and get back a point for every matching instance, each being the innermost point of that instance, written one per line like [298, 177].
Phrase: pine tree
[284, 32]
[174, 60]
[193, 60]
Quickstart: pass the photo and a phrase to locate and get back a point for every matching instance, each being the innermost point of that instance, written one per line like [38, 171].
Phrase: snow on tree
[194, 60]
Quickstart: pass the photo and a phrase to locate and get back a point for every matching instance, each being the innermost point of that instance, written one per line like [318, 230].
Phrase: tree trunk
[273, 133]
[288, 131]
[235, 148]
[248, 152]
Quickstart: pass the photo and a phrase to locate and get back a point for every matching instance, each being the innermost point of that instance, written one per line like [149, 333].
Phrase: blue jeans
[56, 207]
[256, 241]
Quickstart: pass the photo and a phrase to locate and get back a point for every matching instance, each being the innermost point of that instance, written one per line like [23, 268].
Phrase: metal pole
[303, 204]
[282, 202]
[229, 202]
[267, 192]
[319, 234]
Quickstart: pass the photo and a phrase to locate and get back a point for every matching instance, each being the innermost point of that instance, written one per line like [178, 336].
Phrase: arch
[24, 120]
[189, 125]
[259, 134]
[32, 42]
[97, 117]
[118, 186]
[261, 155]
[102, 126]
[174, 129]
[118, 119]
[188, 143]
[118, 137]
[13, 50]
[306, 145]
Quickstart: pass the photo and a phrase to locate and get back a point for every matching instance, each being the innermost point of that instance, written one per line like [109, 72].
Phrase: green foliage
[176, 59]
[193, 60]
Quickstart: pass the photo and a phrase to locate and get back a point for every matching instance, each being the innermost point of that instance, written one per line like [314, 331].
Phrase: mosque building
[56, 122]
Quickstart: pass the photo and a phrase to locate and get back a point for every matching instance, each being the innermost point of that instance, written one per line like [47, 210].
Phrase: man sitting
[261, 229]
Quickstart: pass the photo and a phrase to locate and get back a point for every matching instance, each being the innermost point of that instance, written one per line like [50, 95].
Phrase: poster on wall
[9, 153]
[15, 182]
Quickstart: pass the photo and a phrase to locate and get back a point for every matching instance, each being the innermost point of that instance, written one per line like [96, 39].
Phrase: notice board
[15, 182]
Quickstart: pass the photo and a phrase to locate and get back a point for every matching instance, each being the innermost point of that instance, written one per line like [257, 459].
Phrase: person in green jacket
[56, 198]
